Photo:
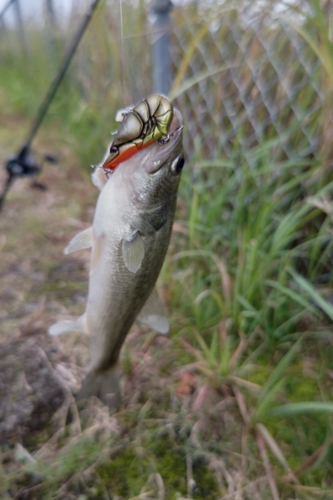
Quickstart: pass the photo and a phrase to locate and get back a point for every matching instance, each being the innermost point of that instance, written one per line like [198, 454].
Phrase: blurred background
[237, 402]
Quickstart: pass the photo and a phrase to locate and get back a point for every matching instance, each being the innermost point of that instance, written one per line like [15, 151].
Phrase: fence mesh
[272, 88]
[265, 80]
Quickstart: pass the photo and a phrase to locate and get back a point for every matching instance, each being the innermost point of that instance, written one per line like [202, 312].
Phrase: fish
[129, 239]
[142, 125]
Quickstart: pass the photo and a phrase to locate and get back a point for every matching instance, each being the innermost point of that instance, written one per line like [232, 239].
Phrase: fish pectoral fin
[68, 326]
[82, 240]
[133, 250]
[153, 314]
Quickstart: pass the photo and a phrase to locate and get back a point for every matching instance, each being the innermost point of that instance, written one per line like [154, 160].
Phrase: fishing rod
[23, 164]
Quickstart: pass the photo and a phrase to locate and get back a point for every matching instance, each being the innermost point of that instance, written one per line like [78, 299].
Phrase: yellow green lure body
[147, 122]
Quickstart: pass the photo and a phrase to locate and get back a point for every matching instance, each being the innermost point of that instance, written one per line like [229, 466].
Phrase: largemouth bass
[128, 239]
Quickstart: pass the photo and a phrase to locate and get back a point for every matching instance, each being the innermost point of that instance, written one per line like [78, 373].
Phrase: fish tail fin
[68, 326]
[105, 386]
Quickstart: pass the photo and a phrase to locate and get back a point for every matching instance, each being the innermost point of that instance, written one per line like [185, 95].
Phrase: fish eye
[113, 149]
[177, 164]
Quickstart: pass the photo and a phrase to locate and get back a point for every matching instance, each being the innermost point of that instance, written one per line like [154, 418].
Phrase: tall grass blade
[276, 450]
[296, 297]
[276, 379]
[187, 58]
[176, 91]
[304, 407]
[309, 289]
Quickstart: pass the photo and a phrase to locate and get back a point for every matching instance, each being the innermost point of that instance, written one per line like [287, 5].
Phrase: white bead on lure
[128, 239]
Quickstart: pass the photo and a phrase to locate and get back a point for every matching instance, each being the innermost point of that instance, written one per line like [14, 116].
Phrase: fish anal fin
[153, 314]
[81, 241]
[69, 326]
[104, 386]
[133, 252]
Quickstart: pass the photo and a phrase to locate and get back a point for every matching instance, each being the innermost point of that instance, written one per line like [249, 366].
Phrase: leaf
[220, 163]
[303, 407]
[187, 57]
[275, 448]
[180, 88]
[313, 293]
[264, 401]
[276, 379]
[186, 384]
[296, 297]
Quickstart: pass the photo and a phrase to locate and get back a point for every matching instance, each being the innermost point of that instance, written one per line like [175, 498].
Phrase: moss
[260, 375]
[129, 471]
[206, 485]
[302, 388]
[124, 475]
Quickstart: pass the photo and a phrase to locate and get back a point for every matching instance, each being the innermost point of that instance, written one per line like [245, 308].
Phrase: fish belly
[116, 296]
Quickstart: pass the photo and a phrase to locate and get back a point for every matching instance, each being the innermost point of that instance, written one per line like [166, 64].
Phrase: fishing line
[122, 44]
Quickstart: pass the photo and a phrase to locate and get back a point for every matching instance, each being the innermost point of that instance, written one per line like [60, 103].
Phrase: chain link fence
[272, 89]
[262, 79]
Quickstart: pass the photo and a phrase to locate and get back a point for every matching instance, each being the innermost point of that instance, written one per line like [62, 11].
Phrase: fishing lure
[147, 122]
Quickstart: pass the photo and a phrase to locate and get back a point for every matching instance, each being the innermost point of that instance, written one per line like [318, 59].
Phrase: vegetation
[237, 402]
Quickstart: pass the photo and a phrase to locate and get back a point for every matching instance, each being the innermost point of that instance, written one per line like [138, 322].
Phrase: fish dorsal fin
[82, 240]
[133, 252]
[153, 314]
[68, 326]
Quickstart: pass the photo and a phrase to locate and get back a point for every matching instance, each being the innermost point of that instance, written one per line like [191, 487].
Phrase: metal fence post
[52, 30]
[20, 26]
[161, 46]
[51, 13]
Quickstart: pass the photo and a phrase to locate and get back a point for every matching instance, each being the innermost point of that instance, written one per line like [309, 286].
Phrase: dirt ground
[38, 286]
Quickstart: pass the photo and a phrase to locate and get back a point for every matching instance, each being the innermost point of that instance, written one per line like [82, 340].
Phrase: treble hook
[166, 138]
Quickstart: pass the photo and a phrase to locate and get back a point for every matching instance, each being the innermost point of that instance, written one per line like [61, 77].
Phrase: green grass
[248, 285]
